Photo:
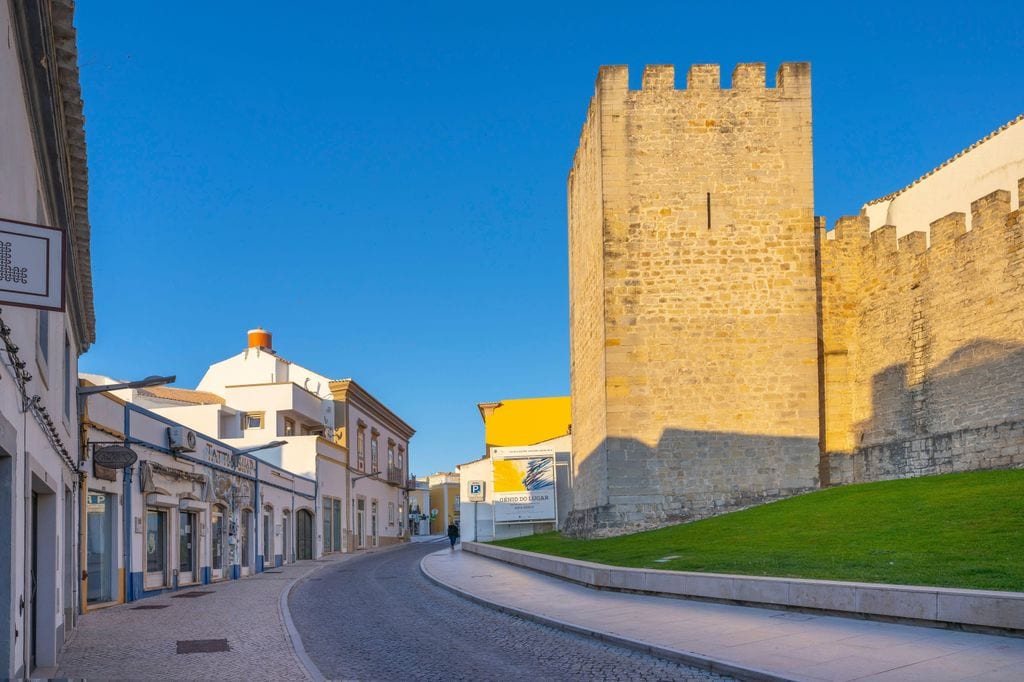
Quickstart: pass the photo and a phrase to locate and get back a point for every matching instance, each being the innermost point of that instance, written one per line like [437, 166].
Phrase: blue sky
[382, 185]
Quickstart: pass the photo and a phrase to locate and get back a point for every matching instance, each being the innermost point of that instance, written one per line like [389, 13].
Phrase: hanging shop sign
[31, 265]
[114, 456]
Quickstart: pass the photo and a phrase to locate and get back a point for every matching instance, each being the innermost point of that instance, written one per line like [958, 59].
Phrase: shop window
[246, 541]
[268, 537]
[217, 540]
[101, 525]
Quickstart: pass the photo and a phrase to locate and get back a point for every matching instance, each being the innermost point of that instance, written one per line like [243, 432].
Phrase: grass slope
[954, 530]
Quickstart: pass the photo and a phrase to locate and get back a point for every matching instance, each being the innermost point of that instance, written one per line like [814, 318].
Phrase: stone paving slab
[766, 642]
[122, 642]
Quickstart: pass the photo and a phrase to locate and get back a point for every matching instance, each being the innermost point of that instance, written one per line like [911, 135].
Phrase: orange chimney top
[260, 338]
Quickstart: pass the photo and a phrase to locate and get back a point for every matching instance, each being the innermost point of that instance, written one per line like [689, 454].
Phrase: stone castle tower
[693, 297]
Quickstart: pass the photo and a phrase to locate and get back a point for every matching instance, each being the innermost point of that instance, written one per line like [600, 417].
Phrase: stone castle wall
[924, 345]
[586, 310]
[693, 297]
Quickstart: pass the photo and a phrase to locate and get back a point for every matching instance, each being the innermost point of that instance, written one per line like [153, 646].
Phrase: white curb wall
[938, 605]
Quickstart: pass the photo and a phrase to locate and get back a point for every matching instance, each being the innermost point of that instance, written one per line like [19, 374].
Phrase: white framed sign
[524, 484]
[476, 491]
[31, 265]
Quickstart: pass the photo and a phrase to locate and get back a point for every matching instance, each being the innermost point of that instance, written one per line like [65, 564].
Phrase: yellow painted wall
[527, 421]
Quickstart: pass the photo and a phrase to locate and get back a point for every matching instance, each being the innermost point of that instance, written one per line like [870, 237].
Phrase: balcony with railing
[396, 475]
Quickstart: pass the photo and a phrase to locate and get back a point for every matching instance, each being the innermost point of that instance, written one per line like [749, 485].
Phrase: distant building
[419, 507]
[517, 432]
[43, 182]
[444, 501]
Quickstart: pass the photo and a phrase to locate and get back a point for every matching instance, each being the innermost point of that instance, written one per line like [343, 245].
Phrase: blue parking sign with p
[476, 491]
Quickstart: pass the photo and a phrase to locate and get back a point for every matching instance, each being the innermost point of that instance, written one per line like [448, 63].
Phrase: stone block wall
[693, 297]
[923, 349]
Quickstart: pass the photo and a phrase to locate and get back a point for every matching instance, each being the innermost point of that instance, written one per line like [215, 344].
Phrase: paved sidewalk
[767, 643]
[126, 642]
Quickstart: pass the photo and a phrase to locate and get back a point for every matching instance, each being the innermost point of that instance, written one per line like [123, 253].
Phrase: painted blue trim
[126, 491]
[257, 514]
[278, 560]
[236, 571]
[206, 575]
[135, 590]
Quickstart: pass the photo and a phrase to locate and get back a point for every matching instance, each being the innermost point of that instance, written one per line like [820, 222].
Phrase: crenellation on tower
[749, 76]
[659, 77]
[704, 77]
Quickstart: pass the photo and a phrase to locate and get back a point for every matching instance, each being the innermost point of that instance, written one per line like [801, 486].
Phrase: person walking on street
[453, 533]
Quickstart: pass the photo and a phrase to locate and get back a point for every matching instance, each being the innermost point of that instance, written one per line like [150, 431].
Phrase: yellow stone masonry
[693, 297]
[727, 351]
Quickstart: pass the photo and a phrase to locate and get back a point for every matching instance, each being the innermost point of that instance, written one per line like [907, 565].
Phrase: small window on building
[391, 454]
[374, 462]
[289, 427]
[391, 513]
[252, 420]
[69, 387]
[44, 335]
[361, 450]
[43, 346]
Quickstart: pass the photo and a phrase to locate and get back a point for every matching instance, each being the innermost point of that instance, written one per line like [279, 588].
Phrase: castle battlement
[746, 77]
[992, 212]
[727, 349]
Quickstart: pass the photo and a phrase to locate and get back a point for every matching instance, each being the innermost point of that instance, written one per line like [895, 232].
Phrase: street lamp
[372, 473]
[254, 448]
[141, 383]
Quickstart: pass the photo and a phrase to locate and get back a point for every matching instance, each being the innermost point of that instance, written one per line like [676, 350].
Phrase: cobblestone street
[376, 617]
[135, 641]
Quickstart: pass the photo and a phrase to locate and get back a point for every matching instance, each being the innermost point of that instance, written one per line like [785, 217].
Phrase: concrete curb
[298, 650]
[690, 658]
[978, 610]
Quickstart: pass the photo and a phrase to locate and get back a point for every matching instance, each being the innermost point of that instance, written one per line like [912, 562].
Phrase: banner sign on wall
[524, 484]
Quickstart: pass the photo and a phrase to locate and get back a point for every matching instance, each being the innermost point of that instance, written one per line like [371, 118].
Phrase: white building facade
[43, 182]
[258, 397]
[190, 511]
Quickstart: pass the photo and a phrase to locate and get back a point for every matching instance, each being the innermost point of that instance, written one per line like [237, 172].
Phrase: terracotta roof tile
[183, 395]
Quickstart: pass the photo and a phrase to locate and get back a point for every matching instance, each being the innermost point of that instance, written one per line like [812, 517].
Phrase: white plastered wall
[993, 164]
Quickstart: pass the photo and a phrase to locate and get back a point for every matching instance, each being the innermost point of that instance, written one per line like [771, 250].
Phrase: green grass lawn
[955, 530]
